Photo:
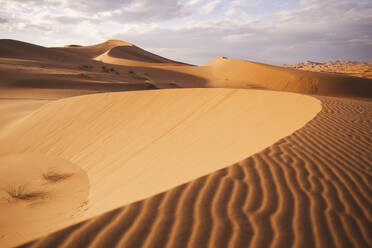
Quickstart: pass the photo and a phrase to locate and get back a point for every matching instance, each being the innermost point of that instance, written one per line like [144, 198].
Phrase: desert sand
[238, 159]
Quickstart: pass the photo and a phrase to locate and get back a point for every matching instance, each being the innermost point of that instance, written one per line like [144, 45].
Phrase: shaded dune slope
[245, 74]
[23, 50]
[94, 50]
[124, 54]
[310, 189]
[118, 52]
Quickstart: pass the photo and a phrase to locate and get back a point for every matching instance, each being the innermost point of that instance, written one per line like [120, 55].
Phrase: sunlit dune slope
[310, 189]
[244, 74]
[23, 50]
[136, 144]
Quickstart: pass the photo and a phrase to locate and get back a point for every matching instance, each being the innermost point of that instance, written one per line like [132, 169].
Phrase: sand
[236, 165]
[310, 189]
[136, 144]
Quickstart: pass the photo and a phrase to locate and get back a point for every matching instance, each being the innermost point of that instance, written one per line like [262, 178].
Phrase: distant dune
[246, 155]
[351, 68]
[244, 74]
[118, 52]
[131, 64]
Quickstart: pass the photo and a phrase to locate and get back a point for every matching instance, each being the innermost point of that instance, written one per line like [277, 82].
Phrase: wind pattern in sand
[310, 189]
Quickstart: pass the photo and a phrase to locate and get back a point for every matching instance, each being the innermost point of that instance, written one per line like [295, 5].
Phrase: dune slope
[118, 52]
[310, 189]
[136, 144]
[23, 50]
[245, 74]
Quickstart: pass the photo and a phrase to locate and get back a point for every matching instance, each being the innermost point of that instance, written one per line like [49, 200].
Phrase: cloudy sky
[195, 31]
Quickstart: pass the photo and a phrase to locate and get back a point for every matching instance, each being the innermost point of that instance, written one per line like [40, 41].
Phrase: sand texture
[310, 189]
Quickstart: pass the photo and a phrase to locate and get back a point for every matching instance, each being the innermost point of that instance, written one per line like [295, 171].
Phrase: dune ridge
[310, 189]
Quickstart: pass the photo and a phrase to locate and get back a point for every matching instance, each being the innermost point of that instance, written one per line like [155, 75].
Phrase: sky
[196, 31]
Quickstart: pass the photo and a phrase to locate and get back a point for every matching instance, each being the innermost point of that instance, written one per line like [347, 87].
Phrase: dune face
[134, 145]
[310, 189]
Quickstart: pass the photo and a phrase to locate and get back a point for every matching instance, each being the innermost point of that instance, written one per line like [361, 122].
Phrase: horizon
[195, 31]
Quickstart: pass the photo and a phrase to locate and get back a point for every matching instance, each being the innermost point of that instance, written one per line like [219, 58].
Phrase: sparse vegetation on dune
[19, 192]
[52, 175]
[146, 76]
[86, 67]
[108, 70]
[16, 191]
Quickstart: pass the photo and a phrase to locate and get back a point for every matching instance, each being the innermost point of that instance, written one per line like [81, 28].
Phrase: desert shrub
[16, 191]
[53, 176]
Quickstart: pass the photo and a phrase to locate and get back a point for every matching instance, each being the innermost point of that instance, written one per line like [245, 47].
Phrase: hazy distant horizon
[195, 31]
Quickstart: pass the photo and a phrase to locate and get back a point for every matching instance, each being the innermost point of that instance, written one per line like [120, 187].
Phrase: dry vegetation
[19, 192]
[52, 175]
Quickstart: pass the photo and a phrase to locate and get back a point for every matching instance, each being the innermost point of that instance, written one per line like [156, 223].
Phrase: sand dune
[310, 189]
[160, 168]
[18, 49]
[134, 145]
[133, 65]
[119, 52]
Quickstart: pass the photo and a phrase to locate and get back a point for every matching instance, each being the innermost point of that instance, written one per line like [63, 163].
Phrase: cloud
[74, 11]
[319, 30]
[191, 2]
[195, 31]
[209, 7]
[2, 20]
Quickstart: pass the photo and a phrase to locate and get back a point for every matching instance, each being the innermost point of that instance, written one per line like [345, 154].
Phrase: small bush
[86, 67]
[52, 176]
[106, 69]
[16, 191]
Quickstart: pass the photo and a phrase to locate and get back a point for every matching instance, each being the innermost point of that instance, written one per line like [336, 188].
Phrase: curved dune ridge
[119, 52]
[133, 55]
[136, 144]
[310, 189]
